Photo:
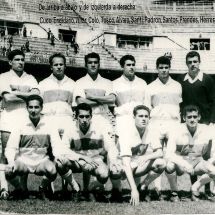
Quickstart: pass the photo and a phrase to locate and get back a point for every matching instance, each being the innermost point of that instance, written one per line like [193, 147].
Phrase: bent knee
[159, 165]
[102, 175]
[170, 167]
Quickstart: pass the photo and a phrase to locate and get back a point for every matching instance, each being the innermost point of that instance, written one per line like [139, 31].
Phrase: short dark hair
[140, 107]
[190, 108]
[126, 57]
[15, 52]
[193, 54]
[91, 55]
[34, 97]
[60, 55]
[163, 60]
[82, 106]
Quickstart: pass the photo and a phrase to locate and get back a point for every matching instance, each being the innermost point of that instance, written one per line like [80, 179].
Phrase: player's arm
[108, 99]
[157, 153]
[12, 147]
[126, 160]
[80, 100]
[16, 94]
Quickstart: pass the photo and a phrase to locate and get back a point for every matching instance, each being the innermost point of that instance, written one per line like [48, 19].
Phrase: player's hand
[142, 160]
[9, 169]
[90, 161]
[24, 89]
[115, 166]
[189, 169]
[135, 199]
[14, 87]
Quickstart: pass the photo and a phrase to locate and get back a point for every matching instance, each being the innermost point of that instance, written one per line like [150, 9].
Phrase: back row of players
[146, 115]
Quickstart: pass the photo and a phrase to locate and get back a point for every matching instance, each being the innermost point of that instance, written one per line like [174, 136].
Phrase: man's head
[191, 115]
[92, 63]
[193, 62]
[34, 105]
[141, 115]
[57, 63]
[17, 60]
[128, 62]
[83, 113]
[163, 65]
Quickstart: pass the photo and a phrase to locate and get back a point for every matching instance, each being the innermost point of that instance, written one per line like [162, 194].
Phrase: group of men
[62, 126]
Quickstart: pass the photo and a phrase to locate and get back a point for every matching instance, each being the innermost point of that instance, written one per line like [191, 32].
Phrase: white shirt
[128, 94]
[132, 144]
[33, 142]
[100, 86]
[198, 77]
[184, 144]
[10, 80]
[98, 139]
[164, 99]
[57, 95]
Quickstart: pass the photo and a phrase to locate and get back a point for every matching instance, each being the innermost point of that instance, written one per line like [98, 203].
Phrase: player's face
[34, 109]
[192, 118]
[18, 63]
[92, 66]
[163, 72]
[129, 68]
[84, 119]
[58, 67]
[193, 65]
[141, 118]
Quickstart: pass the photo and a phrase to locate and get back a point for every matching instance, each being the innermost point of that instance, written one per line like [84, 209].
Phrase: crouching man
[32, 148]
[95, 142]
[140, 155]
[190, 148]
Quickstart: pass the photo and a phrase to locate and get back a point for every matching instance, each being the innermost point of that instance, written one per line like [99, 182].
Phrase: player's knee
[102, 175]
[61, 167]
[179, 171]
[170, 167]
[115, 174]
[51, 171]
[20, 168]
[160, 165]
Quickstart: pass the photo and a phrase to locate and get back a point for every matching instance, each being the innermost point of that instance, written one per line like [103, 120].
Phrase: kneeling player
[93, 141]
[29, 147]
[190, 148]
[139, 155]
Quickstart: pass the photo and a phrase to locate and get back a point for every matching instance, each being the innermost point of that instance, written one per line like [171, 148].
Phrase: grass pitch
[36, 206]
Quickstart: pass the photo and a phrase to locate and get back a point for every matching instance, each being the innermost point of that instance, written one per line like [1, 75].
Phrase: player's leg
[4, 185]
[13, 176]
[115, 177]
[153, 169]
[47, 169]
[65, 169]
[207, 172]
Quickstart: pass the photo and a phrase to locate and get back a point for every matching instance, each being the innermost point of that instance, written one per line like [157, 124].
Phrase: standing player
[94, 90]
[93, 140]
[15, 86]
[163, 97]
[139, 155]
[190, 148]
[57, 92]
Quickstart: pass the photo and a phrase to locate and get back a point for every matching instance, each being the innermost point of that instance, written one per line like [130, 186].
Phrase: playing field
[36, 206]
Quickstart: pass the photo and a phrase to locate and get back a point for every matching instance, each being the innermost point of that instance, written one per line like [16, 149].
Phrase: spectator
[52, 39]
[24, 32]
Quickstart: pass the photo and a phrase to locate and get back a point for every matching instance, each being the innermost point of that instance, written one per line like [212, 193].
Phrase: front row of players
[35, 147]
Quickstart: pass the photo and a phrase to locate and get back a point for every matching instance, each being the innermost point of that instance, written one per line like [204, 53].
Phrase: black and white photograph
[107, 107]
